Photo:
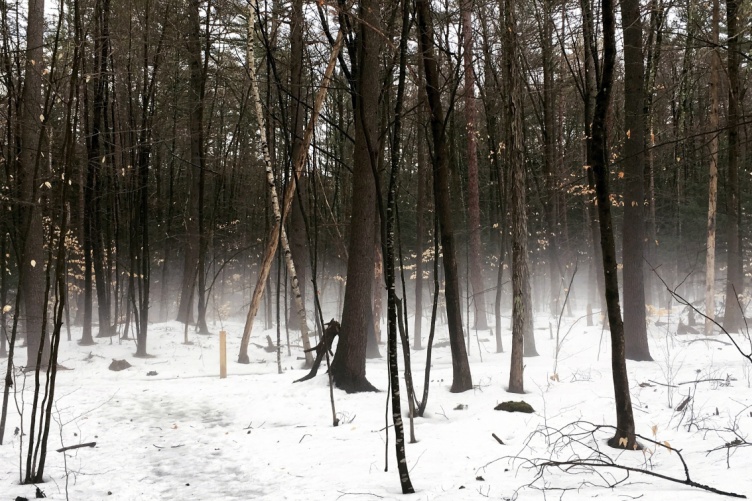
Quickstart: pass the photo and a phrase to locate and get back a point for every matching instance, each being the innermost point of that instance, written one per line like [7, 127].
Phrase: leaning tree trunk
[462, 379]
[272, 185]
[273, 240]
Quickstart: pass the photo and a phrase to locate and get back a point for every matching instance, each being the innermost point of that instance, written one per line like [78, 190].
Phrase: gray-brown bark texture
[473, 189]
[635, 329]
[31, 230]
[461, 377]
[733, 320]
[522, 312]
[349, 365]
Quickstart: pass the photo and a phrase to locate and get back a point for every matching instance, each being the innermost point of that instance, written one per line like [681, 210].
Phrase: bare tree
[461, 377]
[715, 69]
[635, 321]
[598, 145]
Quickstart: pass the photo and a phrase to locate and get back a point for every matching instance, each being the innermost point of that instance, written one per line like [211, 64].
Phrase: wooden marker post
[222, 354]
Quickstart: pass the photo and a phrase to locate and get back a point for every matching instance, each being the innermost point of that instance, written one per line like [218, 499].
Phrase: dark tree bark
[198, 71]
[653, 49]
[194, 244]
[420, 209]
[598, 145]
[733, 320]
[462, 379]
[140, 285]
[635, 322]
[589, 92]
[94, 256]
[551, 181]
[388, 220]
[31, 230]
[349, 364]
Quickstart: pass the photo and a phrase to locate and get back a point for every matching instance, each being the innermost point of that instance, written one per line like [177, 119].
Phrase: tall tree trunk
[32, 233]
[652, 60]
[95, 182]
[390, 216]
[522, 311]
[461, 377]
[420, 210]
[193, 235]
[589, 94]
[198, 161]
[733, 319]
[551, 203]
[715, 69]
[274, 236]
[279, 230]
[473, 189]
[633, 236]
[349, 364]
[598, 145]
[296, 226]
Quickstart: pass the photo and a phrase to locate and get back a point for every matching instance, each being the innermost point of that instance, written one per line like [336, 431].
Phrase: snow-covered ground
[184, 433]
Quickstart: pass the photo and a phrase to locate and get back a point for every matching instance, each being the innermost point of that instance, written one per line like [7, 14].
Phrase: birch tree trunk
[273, 240]
[272, 185]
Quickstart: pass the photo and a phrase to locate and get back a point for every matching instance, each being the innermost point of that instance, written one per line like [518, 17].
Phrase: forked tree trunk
[461, 377]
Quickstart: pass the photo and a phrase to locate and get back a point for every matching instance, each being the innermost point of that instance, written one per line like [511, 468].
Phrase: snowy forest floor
[186, 434]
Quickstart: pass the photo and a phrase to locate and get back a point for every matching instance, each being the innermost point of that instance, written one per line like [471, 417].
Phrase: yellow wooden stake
[222, 354]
